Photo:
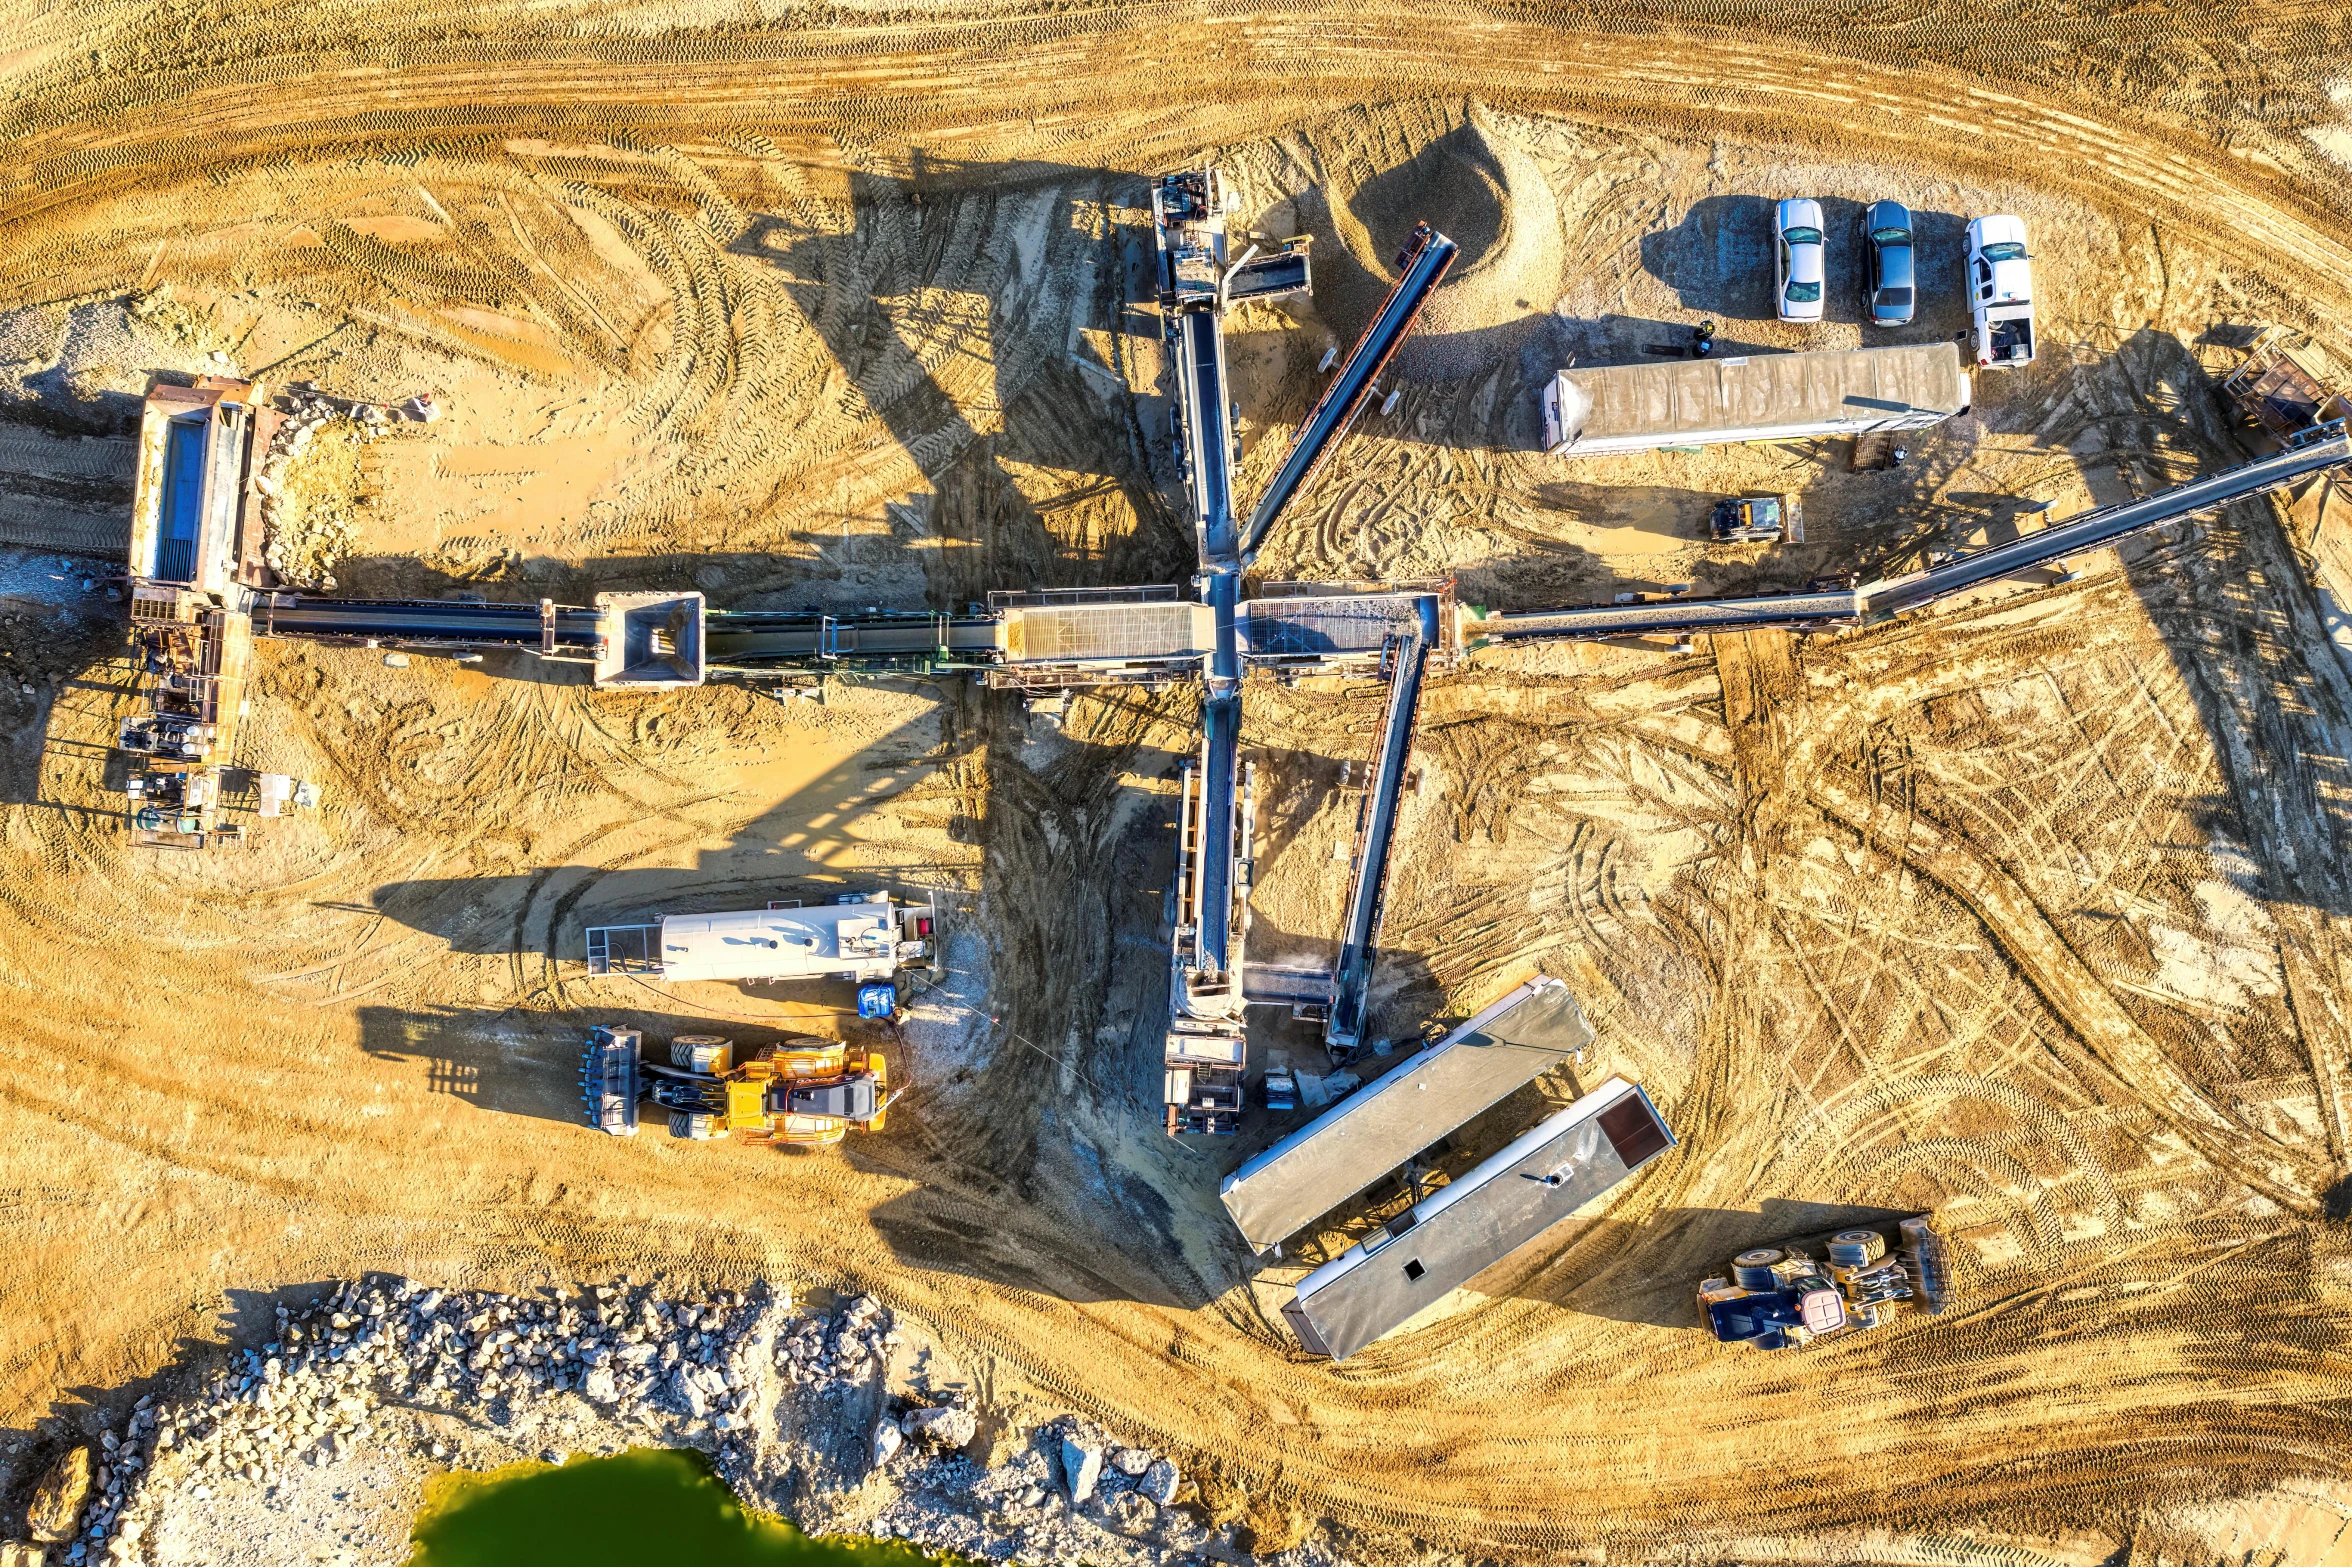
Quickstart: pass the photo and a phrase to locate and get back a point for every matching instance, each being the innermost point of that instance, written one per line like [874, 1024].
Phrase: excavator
[802, 1093]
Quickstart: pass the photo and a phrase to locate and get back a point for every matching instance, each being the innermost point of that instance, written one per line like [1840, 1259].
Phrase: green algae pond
[647, 1505]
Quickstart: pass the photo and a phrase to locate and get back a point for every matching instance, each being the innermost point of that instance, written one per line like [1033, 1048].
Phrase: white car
[1799, 262]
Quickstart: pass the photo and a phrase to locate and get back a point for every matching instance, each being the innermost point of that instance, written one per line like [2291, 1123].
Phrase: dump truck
[803, 1093]
[1849, 1281]
[1757, 517]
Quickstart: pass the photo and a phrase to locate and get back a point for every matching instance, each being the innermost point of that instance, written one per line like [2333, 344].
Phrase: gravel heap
[800, 1414]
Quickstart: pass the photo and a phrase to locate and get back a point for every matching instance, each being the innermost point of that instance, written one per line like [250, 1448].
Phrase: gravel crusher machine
[805, 1093]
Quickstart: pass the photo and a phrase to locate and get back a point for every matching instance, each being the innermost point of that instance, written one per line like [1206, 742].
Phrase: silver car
[1798, 255]
[1889, 285]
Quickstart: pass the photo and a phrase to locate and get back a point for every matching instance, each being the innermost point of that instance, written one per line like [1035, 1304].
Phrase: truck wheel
[691, 1126]
[697, 1052]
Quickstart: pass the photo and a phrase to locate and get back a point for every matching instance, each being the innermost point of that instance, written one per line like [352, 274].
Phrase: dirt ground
[2035, 911]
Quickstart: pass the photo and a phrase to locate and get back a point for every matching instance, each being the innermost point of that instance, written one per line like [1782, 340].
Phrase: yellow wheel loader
[806, 1093]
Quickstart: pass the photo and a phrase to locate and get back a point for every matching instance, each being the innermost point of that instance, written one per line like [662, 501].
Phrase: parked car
[1888, 279]
[1799, 265]
[2000, 292]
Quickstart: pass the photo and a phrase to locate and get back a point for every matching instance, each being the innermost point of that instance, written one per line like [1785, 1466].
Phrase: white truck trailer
[864, 937]
[1752, 397]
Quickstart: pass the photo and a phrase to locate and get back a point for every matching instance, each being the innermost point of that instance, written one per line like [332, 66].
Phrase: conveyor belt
[1207, 434]
[2326, 446]
[1667, 616]
[1376, 826]
[877, 639]
[1425, 261]
[427, 623]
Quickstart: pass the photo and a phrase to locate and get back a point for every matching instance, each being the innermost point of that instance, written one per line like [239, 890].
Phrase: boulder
[1130, 1460]
[598, 1386]
[942, 1428]
[60, 1497]
[15, 1553]
[1160, 1482]
[1081, 1467]
[887, 1441]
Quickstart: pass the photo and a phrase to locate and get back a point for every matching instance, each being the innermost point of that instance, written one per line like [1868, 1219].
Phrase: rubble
[60, 1497]
[944, 1427]
[737, 1375]
[1081, 1466]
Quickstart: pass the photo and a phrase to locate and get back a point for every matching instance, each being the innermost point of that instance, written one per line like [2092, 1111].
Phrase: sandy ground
[2034, 911]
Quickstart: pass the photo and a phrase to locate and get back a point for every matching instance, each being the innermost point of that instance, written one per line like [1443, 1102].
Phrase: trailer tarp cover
[1445, 1241]
[1698, 402]
[1380, 1126]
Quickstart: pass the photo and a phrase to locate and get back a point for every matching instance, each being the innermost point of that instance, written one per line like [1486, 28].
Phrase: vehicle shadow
[1648, 1270]
[1719, 261]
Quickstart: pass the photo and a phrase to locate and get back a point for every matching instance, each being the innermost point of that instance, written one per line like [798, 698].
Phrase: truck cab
[2000, 292]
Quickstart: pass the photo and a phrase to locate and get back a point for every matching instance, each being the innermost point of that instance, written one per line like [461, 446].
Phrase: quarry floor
[2034, 911]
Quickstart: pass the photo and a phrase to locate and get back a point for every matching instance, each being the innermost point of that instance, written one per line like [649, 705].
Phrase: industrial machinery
[2284, 388]
[864, 937]
[804, 1093]
[1757, 517]
[1791, 1295]
[174, 805]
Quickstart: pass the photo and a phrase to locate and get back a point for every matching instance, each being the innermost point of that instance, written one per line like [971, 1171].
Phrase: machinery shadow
[1059, 409]
[2246, 628]
[1648, 1271]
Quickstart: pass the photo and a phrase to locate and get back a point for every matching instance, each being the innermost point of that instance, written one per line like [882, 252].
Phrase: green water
[642, 1508]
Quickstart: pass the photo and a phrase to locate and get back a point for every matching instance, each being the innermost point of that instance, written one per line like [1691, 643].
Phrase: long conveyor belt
[544, 626]
[1425, 261]
[2321, 448]
[875, 640]
[1352, 978]
[2327, 446]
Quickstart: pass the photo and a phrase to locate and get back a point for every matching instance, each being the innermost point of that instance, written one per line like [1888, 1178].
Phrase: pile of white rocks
[847, 1352]
[796, 1411]
[311, 1393]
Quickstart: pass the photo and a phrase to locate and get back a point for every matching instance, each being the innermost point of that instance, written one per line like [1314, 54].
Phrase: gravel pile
[846, 1352]
[312, 1394]
[800, 1413]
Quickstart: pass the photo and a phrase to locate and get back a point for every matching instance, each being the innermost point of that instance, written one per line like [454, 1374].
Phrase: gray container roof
[1757, 397]
[1380, 1126]
[1447, 1240]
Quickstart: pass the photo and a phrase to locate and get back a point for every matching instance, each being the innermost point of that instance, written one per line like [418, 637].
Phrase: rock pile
[311, 1393]
[366, 1362]
[846, 1352]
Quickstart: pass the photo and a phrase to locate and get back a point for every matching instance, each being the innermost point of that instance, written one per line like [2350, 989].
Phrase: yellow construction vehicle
[806, 1093]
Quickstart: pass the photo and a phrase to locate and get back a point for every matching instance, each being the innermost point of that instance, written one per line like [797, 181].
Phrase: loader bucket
[609, 1080]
